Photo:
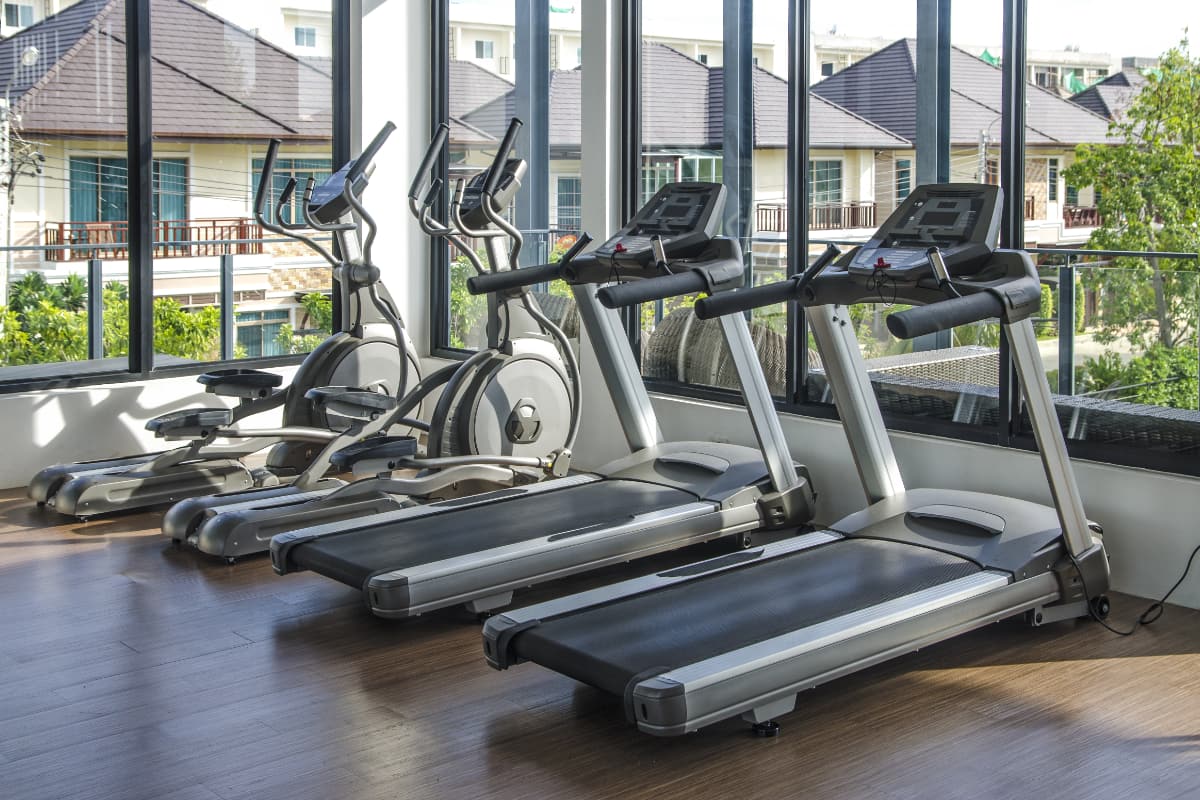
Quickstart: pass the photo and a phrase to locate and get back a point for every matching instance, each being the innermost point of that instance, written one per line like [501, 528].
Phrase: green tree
[1162, 376]
[1148, 181]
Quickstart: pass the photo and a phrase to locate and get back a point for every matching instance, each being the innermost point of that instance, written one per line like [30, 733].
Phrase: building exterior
[882, 88]
[1065, 71]
[220, 94]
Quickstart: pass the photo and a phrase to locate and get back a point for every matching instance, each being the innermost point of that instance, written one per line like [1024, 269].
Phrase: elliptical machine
[506, 416]
[371, 351]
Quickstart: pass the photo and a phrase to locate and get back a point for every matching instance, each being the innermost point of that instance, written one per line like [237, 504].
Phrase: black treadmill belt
[608, 645]
[356, 555]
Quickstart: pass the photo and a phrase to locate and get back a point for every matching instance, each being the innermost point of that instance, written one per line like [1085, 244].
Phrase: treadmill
[742, 634]
[476, 550]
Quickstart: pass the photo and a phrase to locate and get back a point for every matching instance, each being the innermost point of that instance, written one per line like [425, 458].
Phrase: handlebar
[369, 152]
[526, 276]
[492, 181]
[946, 314]
[263, 195]
[768, 294]
[431, 154]
[643, 291]
[513, 278]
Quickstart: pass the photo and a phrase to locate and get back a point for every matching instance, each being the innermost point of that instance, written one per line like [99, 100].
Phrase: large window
[481, 96]
[896, 97]
[103, 282]
[254, 83]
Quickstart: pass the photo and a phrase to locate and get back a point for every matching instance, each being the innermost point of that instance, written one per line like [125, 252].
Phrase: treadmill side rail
[688, 698]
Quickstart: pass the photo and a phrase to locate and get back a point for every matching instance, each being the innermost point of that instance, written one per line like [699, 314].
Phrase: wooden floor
[132, 670]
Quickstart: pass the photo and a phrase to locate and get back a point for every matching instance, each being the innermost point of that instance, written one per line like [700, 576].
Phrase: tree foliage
[47, 323]
[1148, 183]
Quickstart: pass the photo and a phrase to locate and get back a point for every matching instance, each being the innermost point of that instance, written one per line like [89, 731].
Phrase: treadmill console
[961, 219]
[684, 216]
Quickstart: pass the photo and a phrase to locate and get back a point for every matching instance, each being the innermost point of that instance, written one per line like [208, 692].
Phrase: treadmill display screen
[940, 218]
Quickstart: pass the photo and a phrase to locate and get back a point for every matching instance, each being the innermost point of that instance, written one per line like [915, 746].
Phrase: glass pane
[66, 198]
[683, 129]
[256, 71]
[864, 162]
[1125, 368]
[489, 84]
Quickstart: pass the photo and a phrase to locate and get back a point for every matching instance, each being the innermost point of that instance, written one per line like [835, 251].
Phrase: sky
[1095, 26]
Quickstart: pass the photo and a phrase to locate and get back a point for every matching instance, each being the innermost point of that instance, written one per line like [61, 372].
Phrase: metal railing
[1081, 217]
[173, 238]
[1065, 306]
[90, 254]
[772, 217]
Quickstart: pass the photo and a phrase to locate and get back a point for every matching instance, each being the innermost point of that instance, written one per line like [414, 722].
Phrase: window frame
[19, 8]
[140, 160]
[306, 32]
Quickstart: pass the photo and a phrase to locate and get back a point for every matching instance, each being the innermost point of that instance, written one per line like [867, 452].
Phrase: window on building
[569, 200]
[903, 178]
[700, 168]
[1072, 195]
[703, 58]
[826, 69]
[825, 182]
[18, 15]
[306, 37]
[98, 189]
[1046, 77]
[657, 172]
[1052, 180]
[484, 48]
[258, 332]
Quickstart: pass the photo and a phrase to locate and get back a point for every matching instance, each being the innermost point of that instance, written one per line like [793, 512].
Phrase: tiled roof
[210, 78]
[883, 88]
[682, 107]
[1113, 95]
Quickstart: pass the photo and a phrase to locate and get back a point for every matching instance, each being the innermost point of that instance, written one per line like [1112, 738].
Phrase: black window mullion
[343, 112]
[139, 189]
[439, 112]
[799, 78]
[1012, 181]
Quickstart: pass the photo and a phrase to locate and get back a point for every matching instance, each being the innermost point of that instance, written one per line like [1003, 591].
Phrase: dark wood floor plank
[133, 670]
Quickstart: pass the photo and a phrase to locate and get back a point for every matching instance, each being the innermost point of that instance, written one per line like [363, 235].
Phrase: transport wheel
[231, 560]
[1101, 607]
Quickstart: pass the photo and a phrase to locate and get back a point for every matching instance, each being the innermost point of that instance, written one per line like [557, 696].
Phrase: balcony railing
[772, 217]
[1080, 217]
[173, 238]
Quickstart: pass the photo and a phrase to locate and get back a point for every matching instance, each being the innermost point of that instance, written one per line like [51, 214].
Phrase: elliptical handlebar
[262, 196]
[492, 181]
[427, 162]
[367, 156]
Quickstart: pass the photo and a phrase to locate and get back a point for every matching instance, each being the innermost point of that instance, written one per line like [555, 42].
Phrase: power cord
[1152, 613]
